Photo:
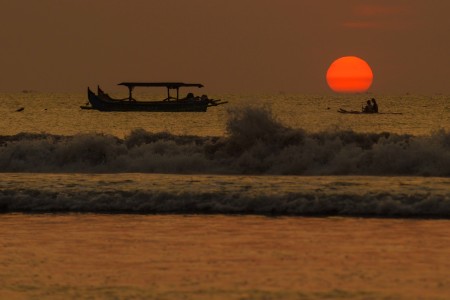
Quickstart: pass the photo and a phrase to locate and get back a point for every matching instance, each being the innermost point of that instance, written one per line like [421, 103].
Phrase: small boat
[356, 112]
[343, 111]
[103, 102]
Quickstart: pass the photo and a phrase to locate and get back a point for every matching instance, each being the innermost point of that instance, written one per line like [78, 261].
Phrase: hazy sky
[229, 45]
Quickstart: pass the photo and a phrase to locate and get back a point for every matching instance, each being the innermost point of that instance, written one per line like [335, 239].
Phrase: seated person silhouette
[190, 97]
[374, 106]
[368, 108]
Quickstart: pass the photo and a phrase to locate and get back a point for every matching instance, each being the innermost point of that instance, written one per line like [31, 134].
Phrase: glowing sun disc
[349, 74]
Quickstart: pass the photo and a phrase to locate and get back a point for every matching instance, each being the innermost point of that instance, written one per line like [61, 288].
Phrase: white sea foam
[256, 143]
[379, 204]
[226, 194]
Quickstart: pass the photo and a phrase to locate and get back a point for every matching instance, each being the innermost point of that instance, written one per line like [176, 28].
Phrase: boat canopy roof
[169, 85]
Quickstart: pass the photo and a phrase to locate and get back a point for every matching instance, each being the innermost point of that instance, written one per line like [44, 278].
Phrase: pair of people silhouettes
[191, 97]
[371, 106]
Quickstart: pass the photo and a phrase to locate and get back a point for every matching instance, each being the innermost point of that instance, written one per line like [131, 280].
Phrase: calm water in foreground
[286, 199]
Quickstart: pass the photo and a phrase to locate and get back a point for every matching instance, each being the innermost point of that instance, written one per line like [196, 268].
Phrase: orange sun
[349, 74]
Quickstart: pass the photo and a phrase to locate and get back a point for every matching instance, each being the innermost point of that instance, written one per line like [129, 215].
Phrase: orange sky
[229, 45]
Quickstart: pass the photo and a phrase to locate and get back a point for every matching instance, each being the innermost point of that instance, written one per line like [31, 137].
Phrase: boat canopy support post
[168, 85]
[168, 92]
[130, 93]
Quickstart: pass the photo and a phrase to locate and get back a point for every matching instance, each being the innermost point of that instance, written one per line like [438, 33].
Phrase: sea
[266, 197]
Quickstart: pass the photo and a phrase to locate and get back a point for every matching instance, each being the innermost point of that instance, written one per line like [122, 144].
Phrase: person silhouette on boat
[204, 98]
[374, 106]
[190, 97]
[368, 108]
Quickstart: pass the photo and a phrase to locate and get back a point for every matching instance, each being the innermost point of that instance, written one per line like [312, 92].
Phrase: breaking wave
[380, 204]
[256, 143]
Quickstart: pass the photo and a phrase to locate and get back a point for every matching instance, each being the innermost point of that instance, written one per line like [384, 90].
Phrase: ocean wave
[256, 143]
[382, 204]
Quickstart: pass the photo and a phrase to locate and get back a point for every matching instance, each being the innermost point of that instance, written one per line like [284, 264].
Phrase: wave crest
[158, 202]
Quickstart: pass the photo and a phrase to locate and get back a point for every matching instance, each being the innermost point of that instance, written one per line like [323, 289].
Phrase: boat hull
[354, 112]
[343, 111]
[101, 103]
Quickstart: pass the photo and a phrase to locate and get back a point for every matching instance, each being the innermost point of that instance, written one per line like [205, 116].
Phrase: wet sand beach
[219, 257]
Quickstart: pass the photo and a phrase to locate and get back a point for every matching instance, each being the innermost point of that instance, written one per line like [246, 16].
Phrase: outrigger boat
[356, 112]
[103, 102]
[343, 111]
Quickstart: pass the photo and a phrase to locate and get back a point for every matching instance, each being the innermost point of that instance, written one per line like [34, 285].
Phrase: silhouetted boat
[356, 112]
[343, 111]
[103, 102]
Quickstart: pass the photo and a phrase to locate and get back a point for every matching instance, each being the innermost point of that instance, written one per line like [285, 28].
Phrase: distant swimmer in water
[374, 106]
